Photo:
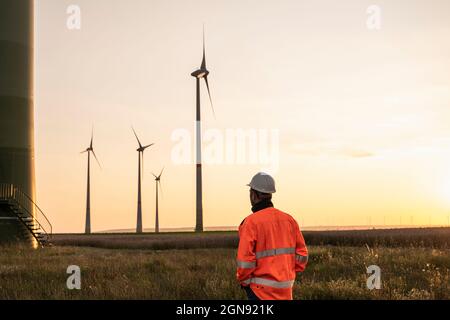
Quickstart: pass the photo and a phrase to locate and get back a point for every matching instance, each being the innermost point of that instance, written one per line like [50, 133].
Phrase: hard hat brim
[263, 191]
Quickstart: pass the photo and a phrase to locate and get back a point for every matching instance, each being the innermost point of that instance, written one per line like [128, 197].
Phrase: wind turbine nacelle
[200, 73]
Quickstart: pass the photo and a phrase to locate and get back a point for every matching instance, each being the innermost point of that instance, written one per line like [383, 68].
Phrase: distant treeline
[423, 237]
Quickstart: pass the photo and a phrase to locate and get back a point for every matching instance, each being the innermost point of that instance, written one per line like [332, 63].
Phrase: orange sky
[360, 118]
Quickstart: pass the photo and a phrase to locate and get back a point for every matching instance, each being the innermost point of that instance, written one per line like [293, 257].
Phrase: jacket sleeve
[246, 258]
[301, 252]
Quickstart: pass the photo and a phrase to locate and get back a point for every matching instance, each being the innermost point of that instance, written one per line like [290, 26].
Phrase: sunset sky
[362, 116]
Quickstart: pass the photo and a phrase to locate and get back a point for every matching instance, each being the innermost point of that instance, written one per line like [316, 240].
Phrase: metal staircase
[21, 206]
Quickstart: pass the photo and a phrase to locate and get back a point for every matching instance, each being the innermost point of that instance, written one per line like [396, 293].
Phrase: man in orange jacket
[271, 247]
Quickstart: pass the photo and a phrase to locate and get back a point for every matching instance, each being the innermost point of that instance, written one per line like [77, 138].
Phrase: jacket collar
[263, 204]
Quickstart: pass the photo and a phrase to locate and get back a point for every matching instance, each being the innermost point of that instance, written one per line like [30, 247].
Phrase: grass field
[420, 237]
[334, 272]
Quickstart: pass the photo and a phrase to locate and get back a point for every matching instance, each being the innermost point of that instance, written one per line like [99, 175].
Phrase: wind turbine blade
[139, 142]
[154, 175]
[209, 94]
[161, 173]
[142, 164]
[148, 146]
[160, 188]
[204, 51]
[83, 151]
[98, 162]
[92, 137]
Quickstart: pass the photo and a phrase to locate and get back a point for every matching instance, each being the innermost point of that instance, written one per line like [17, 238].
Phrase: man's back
[271, 251]
[268, 223]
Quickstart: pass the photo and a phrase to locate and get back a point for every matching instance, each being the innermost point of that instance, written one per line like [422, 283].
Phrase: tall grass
[333, 273]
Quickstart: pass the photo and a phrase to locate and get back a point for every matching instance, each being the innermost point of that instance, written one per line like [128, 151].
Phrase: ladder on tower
[27, 212]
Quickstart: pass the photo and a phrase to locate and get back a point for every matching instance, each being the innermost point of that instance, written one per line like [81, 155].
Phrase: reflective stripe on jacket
[271, 251]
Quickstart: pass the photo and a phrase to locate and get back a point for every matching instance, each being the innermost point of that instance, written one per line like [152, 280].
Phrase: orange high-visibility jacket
[271, 251]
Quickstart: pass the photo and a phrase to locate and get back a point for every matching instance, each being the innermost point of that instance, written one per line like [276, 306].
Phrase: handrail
[40, 211]
[10, 192]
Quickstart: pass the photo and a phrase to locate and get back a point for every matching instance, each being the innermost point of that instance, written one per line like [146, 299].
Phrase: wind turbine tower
[140, 151]
[199, 74]
[17, 153]
[158, 185]
[89, 150]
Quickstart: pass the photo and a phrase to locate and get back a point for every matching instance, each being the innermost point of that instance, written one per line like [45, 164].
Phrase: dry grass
[333, 273]
[162, 241]
[419, 237]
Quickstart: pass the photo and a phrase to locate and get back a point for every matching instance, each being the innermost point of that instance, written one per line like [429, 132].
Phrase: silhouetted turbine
[140, 151]
[201, 73]
[158, 184]
[88, 193]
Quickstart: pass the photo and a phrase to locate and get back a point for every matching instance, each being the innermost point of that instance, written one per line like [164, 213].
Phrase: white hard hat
[263, 182]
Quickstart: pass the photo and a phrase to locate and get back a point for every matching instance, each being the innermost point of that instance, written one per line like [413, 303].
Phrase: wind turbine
[158, 184]
[89, 150]
[140, 151]
[199, 74]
